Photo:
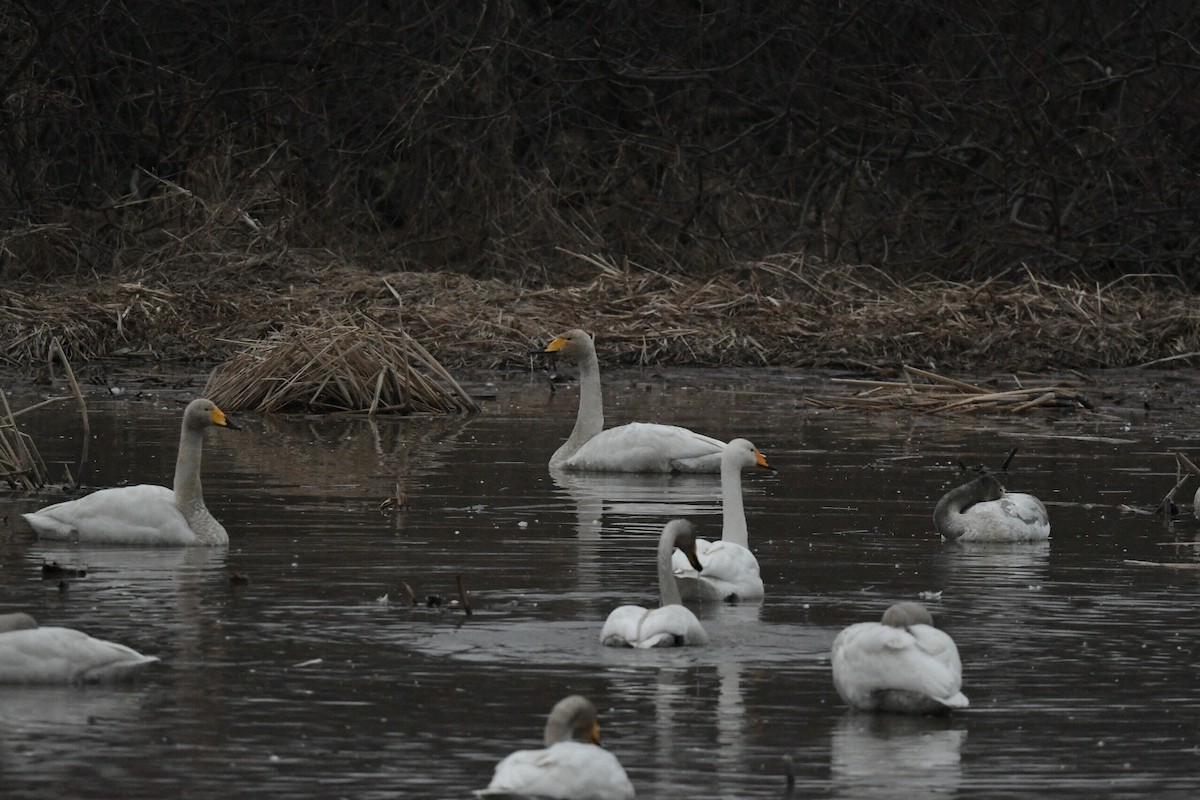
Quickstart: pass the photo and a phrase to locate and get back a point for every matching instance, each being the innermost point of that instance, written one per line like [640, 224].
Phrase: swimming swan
[146, 514]
[901, 664]
[730, 568]
[572, 765]
[981, 511]
[636, 447]
[32, 654]
[671, 624]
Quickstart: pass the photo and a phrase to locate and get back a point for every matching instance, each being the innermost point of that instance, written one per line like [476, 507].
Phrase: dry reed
[930, 393]
[349, 367]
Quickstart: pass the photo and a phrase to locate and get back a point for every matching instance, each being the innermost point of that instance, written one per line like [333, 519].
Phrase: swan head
[682, 534]
[909, 612]
[201, 413]
[572, 719]
[742, 453]
[574, 345]
[16, 622]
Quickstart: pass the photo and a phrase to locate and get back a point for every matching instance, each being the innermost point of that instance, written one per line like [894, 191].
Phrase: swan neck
[590, 419]
[733, 513]
[947, 514]
[188, 494]
[667, 588]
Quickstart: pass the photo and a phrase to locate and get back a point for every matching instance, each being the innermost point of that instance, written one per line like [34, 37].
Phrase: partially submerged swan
[730, 569]
[635, 447]
[671, 624]
[901, 664]
[982, 511]
[146, 514]
[33, 654]
[572, 765]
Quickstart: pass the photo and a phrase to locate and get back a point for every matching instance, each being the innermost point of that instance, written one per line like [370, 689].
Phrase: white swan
[636, 447]
[670, 624]
[730, 569]
[981, 511]
[146, 514]
[901, 664]
[31, 654]
[572, 765]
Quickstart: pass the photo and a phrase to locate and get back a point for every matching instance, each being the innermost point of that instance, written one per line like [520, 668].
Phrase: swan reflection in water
[628, 500]
[895, 755]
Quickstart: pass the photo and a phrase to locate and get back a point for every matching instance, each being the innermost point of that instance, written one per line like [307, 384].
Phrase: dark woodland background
[497, 137]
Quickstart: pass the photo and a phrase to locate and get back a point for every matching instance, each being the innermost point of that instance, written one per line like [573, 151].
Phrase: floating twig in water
[462, 594]
[55, 571]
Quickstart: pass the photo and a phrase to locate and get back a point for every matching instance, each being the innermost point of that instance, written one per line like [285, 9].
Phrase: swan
[32, 654]
[901, 664]
[146, 514]
[981, 511]
[572, 765]
[671, 624]
[635, 447]
[730, 569]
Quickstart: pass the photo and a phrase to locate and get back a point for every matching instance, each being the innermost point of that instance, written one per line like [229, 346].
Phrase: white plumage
[671, 624]
[982, 511]
[901, 664]
[32, 654]
[572, 765]
[146, 514]
[731, 570]
[635, 447]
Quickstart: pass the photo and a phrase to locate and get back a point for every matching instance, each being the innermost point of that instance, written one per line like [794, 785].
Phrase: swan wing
[143, 514]
[731, 572]
[564, 771]
[871, 657]
[1013, 518]
[621, 627]
[64, 655]
[648, 447]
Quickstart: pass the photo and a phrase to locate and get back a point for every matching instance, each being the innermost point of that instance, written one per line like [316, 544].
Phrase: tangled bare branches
[961, 138]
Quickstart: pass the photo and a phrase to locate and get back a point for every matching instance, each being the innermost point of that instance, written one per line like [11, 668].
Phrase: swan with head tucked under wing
[982, 511]
[31, 654]
[902, 664]
[730, 569]
[635, 447]
[572, 765]
[146, 514]
[670, 625]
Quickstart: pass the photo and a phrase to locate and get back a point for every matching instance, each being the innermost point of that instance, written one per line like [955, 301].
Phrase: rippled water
[320, 679]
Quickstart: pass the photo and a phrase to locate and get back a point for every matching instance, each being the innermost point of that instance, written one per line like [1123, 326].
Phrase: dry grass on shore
[787, 311]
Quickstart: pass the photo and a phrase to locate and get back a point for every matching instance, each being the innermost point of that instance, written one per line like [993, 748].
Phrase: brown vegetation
[786, 311]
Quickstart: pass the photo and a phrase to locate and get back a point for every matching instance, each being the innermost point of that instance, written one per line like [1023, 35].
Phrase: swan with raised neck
[634, 447]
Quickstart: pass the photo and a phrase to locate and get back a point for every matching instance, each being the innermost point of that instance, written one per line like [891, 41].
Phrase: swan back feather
[903, 664]
[63, 655]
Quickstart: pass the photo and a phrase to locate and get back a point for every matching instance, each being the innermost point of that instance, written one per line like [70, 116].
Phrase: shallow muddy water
[320, 679]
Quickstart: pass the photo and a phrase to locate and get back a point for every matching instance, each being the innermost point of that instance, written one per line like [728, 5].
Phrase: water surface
[320, 678]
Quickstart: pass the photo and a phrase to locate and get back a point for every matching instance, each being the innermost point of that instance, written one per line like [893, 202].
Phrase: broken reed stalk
[21, 466]
[57, 350]
[341, 367]
[936, 394]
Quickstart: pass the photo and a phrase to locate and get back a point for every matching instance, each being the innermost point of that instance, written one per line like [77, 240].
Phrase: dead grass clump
[21, 466]
[348, 367]
[935, 394]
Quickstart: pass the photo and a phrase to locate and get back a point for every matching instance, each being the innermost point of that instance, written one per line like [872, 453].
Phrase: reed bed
[788, 311]
[340, 367]
[929, 393]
